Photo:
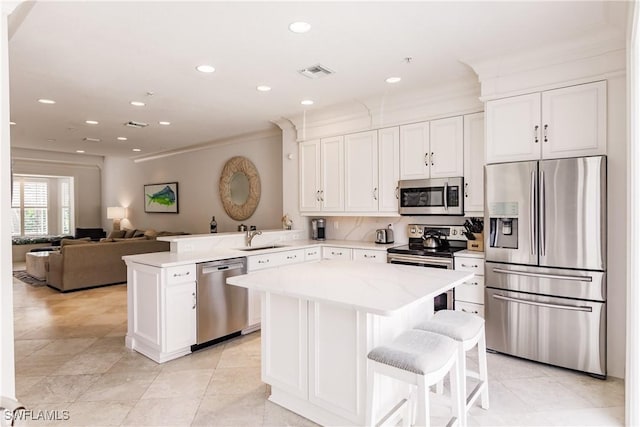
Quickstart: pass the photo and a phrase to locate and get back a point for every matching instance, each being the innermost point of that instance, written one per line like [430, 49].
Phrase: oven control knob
[413, 230]
[454, 232]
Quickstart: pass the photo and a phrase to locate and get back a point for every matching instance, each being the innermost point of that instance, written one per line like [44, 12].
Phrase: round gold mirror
[239, 188]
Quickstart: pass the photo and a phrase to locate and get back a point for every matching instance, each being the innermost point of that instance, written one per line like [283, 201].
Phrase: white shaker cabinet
[370, 255]
[474, 164]
[361, 172]
[161, 306]
[446, 141]
[415, 152]
[470, 294]
[321, 171]
[565, 122]
[372, 170]
[432, 149]
[330, 252]
[388, 169]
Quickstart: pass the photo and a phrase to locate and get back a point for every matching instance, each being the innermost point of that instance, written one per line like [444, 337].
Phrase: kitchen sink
[259, 248]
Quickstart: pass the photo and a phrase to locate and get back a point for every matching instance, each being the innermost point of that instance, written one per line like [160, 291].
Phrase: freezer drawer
[557, 282]
[558, 331]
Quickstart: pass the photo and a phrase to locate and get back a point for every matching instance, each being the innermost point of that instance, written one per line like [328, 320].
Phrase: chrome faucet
[250, 235]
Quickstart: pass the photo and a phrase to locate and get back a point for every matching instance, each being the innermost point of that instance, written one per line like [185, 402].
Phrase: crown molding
[599, 55]
[438, 101]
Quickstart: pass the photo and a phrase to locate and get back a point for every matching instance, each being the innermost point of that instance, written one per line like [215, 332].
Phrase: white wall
[197, 173]
[86, 171]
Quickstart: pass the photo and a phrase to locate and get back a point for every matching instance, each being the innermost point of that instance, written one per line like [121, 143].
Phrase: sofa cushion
[116, 233]
[150, 233]
[131, 239]
[81, 241]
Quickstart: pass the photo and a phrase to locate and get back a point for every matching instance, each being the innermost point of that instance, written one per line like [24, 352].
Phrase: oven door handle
[543, 304]
[419, 260]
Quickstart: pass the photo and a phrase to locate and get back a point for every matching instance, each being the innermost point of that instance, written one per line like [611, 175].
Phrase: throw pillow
[129, 233]
[150, 233]
[116, 234]
[106, 240]
[138, 233]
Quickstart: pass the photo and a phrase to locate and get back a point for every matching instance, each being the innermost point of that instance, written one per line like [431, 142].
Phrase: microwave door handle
[446, 193]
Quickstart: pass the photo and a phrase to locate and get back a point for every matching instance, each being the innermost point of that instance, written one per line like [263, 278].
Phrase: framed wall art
[161, 198]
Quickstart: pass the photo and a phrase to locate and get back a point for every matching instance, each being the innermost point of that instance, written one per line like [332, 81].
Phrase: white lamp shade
[115, 212]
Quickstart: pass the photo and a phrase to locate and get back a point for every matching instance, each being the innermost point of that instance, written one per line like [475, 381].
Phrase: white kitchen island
[319, 321]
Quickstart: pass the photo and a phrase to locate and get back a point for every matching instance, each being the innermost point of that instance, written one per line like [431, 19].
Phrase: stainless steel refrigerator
[545, 270]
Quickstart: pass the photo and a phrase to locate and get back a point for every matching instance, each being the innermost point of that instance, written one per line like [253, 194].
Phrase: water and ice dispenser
[503, 233]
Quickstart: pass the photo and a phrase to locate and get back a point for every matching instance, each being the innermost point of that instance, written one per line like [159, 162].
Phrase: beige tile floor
[70, 356]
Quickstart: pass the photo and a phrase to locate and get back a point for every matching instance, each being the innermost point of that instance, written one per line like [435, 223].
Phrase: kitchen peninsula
[319, 321]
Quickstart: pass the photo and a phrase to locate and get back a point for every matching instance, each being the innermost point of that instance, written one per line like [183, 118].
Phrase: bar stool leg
[456, 394]
[422, 418]
[482, 362]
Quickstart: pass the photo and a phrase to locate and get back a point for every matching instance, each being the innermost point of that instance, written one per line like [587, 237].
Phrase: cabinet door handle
[471, 283]
[426, 159]
[545, 132]
[318, 196]
[322, 195]
[397, 193]
[266, 261]
[369, 256]
[181, 274]
[535, 134]
[466, 189]
[292, 256]
[467, 311]
[375, 193]
[468, 266]
[336, 253]
[432, 158]
[194, 301]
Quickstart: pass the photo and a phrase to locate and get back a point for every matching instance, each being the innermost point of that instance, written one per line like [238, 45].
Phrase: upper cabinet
[566, 122]
[322, 175]
[361, 171]
[388, 169]
[474, 164]
[432, 149]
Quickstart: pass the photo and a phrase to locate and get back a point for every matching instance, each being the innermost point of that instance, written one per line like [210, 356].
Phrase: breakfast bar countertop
[376, 288]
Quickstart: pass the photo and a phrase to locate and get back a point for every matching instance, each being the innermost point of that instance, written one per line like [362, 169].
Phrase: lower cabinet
[470, 295]
[330, 252]
[371, 255]
[161, 310]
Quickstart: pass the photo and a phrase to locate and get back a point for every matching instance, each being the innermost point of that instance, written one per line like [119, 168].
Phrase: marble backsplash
[363, 228]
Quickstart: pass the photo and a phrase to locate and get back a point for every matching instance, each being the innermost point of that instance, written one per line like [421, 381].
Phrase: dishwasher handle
[222, 268]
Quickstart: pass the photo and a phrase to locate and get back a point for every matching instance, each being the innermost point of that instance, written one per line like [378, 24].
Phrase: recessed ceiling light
[299, 27]
[46, 101]
[121, 138]
[136, 150]
[393, 79]
[263, 88]
[80, 151]
[205, 68]
[12, 123]
[91, 122]
[137, 103]
[51, 140]
[89, 139]
[164, 123]
[306, 102]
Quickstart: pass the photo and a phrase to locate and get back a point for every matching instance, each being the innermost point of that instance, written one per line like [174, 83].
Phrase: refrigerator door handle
[534, 221]
[543, 304]
[544, 275]
[543, 214]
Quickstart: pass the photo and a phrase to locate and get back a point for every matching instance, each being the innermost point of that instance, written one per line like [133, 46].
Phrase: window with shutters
[41, 205]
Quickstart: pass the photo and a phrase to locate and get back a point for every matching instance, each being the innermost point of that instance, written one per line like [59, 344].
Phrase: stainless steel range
[431, 246]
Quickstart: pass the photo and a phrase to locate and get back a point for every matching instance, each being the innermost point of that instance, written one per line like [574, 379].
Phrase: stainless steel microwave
[435, 196]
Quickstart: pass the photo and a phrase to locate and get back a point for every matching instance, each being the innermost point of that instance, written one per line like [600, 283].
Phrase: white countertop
[376, 288]
[173, 259]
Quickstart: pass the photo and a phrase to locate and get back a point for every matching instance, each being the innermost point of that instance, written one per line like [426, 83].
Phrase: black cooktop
[415, 247]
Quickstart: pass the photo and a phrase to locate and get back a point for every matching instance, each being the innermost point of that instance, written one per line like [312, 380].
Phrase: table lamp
[116, 213]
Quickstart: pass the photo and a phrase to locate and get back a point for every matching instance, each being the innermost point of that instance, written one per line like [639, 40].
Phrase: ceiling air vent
[138, 125]
[88, 139]
[316, 71]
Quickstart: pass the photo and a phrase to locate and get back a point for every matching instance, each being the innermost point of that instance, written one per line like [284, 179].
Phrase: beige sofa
[86, 265]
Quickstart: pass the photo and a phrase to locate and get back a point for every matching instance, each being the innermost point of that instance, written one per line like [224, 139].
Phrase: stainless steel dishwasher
[221, 309]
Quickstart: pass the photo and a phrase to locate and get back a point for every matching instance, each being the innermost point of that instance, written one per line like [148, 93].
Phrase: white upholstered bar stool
[420, 359]
[468, 331]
